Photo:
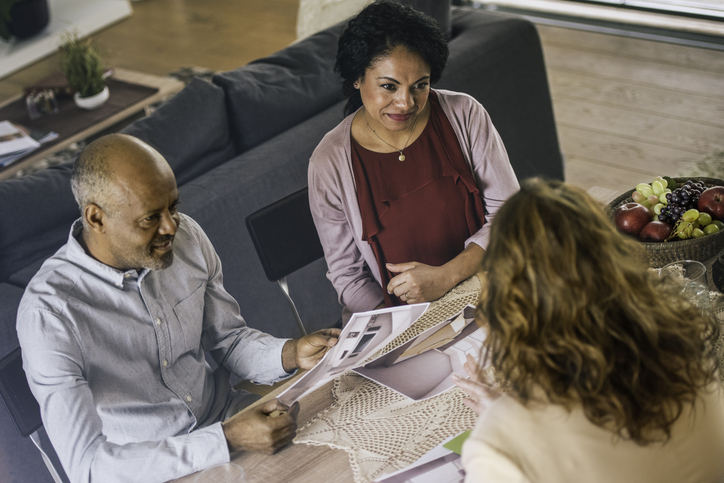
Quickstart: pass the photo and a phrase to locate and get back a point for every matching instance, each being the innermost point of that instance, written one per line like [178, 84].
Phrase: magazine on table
[364, 334]
[17, 141]
[423, 367]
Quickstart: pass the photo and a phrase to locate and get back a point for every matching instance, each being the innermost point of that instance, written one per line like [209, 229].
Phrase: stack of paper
[16, 142]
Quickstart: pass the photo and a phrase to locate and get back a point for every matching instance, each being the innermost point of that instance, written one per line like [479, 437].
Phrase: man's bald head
[110, 161]
[128, 199]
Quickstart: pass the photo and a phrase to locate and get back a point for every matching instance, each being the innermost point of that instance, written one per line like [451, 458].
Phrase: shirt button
[188, 398]
[158, 321]
[165, 363]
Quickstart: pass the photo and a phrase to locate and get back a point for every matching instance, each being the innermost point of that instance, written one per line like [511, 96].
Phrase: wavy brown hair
[572, 309]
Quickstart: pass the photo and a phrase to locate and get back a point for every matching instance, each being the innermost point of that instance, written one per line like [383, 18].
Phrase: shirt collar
[78, 255]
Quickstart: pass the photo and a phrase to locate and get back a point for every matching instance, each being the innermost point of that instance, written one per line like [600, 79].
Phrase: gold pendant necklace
[401, 157]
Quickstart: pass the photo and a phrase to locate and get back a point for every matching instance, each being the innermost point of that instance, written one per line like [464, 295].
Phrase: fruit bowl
[660, 254]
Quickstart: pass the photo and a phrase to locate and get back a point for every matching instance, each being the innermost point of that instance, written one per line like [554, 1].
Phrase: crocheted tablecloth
[381, 430]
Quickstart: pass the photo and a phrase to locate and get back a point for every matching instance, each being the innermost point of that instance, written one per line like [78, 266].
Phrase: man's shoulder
[51, 286]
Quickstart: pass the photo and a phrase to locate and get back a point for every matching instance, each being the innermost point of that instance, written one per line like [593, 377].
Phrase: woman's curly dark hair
[375, 32]
[572, 310]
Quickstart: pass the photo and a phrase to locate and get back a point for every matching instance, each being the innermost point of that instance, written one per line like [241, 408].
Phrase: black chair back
[284, 235]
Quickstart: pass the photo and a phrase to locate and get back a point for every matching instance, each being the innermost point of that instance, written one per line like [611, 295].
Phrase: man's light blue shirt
[116, 360]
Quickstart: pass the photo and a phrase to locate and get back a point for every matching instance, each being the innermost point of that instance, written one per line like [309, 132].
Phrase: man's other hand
[306, 352]
[262, 429]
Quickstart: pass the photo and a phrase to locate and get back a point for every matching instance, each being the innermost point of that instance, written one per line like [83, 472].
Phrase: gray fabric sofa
[242, 142]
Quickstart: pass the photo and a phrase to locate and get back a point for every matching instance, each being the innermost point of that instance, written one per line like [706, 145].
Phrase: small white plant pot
[92, 102]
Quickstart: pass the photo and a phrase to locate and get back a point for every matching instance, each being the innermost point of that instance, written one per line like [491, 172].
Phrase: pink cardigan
[352, 267]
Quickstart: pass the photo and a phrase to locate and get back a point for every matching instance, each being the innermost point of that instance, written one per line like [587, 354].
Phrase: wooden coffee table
[152, 89]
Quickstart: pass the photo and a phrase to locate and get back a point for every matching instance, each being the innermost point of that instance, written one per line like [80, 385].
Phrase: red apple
[631, 218]
[712, 201]
[655, 231]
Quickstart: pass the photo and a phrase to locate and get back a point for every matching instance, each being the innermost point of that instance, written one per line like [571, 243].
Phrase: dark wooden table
[130, 91]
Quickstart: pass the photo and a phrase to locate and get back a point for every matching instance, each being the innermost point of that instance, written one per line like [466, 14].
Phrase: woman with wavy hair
[610, 373]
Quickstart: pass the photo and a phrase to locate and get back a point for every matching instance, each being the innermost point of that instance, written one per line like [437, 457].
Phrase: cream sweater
[545, 444]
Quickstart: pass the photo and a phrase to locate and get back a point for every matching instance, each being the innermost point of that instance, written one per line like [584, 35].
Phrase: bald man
[114, 329]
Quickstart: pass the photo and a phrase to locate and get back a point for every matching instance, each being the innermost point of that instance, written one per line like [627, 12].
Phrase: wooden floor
[626, 109]
[630, 109]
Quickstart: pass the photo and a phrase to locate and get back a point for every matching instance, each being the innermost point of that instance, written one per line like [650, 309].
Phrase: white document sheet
[423, 367]
[364, 334]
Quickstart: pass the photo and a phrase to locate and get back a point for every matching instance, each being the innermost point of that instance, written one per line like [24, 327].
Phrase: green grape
[697, 233]
[657, 208]
[690, 215]
[637, 197]
[682, 235]
[689, 230]
[646, 203]
[646, 191]
[704, 219]
[718, 223]
[658, 187]
[711, 229]
[662, 198]
[653, 199]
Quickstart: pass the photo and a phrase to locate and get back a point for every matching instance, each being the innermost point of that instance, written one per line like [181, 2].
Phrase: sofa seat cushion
[37, 211]
[270, 95]
[191, 130]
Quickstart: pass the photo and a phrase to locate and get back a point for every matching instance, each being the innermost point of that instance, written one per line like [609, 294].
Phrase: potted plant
[83, 68]
[23, 18]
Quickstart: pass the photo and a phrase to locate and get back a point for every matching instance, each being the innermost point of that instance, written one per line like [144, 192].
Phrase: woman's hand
[417, 282]
[481, 393]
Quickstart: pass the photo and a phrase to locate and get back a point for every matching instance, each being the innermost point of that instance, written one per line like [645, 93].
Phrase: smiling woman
[403, 190]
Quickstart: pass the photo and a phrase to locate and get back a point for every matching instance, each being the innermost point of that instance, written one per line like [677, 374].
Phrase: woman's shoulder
[334, 142]
[455, 99]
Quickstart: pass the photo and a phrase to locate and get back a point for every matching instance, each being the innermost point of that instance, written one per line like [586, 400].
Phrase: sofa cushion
[37, 211]
[191, 130]
[221, 200]
[497, 58]
[270, 95]
[437, 9]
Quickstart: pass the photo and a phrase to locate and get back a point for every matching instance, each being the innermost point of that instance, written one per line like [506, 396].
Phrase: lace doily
[381, 430]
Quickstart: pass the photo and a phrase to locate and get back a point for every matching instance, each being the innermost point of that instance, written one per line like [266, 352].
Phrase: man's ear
[94, 218]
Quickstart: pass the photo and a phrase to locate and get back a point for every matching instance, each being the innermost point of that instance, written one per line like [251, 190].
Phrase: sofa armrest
[497, 58]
